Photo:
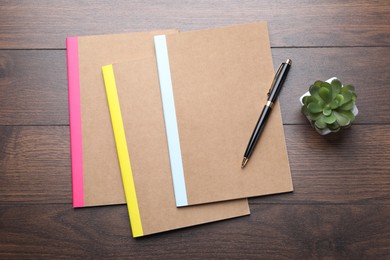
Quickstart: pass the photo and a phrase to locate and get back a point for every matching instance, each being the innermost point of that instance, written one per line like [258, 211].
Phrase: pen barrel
[279, 79]
[258, 130]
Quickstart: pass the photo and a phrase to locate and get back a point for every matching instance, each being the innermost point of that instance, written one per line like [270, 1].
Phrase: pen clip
[274, 80]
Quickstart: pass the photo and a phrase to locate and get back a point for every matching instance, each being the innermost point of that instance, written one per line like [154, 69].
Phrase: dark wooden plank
[340, 207]
[33, 88]
[270, 232]
[45, 24]
[35, 164]
[365, 68]
[350, 167]
[33, 84]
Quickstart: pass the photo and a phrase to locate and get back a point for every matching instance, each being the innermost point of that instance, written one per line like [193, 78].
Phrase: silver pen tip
[244, 161]
[289, 62]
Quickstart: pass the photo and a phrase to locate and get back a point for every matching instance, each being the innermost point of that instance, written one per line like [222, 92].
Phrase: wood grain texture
[348, 167]
[45, 24]
[340, 207]
[270, 232]
[33, 89]
[365, 68]
[35, 164]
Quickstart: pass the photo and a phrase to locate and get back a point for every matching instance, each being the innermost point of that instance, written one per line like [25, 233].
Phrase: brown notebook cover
[220, 79]
[96, 177]
[138, 124]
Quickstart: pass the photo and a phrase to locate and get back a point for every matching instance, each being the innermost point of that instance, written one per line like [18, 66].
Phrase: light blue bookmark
[168, 102]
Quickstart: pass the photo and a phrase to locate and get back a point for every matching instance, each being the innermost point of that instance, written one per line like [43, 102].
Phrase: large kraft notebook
[96, 176]
[214, 84]
[133, 96]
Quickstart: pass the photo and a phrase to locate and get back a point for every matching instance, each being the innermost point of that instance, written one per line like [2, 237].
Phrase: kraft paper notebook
[139, 130]
[214, 84]
[96, 177]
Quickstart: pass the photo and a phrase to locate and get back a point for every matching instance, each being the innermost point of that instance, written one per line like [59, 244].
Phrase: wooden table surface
[340, 208]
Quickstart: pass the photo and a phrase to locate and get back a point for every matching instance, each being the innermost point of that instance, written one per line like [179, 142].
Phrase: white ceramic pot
[326, 131]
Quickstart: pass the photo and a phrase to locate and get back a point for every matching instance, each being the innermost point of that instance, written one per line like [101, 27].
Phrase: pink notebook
[96, 177]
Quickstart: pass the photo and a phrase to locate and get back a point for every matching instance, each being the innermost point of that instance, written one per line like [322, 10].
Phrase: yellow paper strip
[123, 154]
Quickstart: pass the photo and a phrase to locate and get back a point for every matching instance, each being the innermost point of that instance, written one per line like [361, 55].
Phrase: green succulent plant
[330, 105]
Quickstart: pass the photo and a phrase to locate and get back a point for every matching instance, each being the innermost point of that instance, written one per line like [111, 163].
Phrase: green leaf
[340, 98]
[309, 99]
[325, 84]
[318, 83]
[314, 89]
[304, 110]
[348, 106]
[314, 108]
[334, 104]
[334, 127]
[347, 97]
[311, 116]
[304, 100]
[326, 94]
[336, 83]
[329, 96]
[320, 123]
[336, 87]
[315, 117]
[330, 119]
[341, 119]
[349, 88]
[327, 111]
[348, 114]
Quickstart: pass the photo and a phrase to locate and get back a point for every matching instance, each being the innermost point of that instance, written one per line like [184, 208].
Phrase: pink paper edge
[75, 121]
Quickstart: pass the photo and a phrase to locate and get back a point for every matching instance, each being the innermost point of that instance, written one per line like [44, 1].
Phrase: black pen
[273, 93]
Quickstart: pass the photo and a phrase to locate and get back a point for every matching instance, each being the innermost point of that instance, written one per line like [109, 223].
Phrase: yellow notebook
[143, 154]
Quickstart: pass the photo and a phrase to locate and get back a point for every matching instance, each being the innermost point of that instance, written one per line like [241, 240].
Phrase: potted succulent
[329, 106]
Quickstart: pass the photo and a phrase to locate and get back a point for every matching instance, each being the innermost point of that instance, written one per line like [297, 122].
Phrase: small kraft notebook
[96, 178]
[214, 84]
[133, 96]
